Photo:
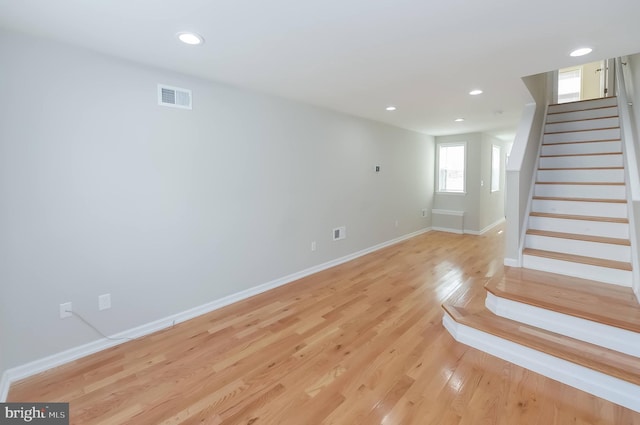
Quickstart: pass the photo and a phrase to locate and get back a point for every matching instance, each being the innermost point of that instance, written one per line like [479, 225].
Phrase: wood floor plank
[360, 343]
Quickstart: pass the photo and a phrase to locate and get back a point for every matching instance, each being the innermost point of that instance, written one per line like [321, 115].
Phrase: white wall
[103, 191]
[632, 81]
[522, 161]
[481, 207]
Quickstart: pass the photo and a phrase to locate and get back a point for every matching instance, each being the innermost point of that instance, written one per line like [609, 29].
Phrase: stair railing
[632, 162]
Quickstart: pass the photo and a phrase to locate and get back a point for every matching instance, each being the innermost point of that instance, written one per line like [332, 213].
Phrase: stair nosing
[575, 102]
[580, 259]
[580, 217]
[581, 119]
[579, 237]
[581, 131]
[581, 168]
[580, 154]
[586, 183]
[555, 198]
[582, 141]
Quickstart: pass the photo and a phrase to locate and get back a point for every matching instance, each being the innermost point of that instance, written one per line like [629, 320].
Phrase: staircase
[578, 222]
[569, 313]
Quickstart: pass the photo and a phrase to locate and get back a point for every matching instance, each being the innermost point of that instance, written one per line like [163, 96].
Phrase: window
[451, 167]
[495, 168]
[569, 82]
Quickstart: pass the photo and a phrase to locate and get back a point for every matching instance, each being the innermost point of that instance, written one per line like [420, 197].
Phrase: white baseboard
[20, 372]
[599, 384]
[512, 262]
[486, 229]
[467, 231]
[447, 229]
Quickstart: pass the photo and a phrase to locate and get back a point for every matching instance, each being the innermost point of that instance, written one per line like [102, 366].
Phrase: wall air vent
[174, 97]
[339, 233]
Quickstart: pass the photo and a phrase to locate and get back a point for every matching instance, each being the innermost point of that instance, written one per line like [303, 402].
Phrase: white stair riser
[592, 124]
[581, 227]
[599, 384]
[583, 136]
[583, 271]
[610, 337]
[597, 209]
[591, 176]
[611, 111]
[583, 248]
[580, 106]
[581, 161]
[578, 148]
[599, 191]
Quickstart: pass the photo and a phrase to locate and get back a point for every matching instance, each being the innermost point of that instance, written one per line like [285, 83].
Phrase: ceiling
[354, 56]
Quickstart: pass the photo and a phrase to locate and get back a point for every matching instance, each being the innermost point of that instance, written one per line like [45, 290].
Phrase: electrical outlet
[104, 302]
[65, 310]
[397, 223]
[313, 246]
[424, 212]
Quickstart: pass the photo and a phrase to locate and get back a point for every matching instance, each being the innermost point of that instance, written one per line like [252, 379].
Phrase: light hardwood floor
[361, 343]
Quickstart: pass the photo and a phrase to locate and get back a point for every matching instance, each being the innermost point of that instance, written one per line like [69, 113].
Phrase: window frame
[495, 163]
[441, 190]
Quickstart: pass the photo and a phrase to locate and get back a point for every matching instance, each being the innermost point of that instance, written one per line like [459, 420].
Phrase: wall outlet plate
[104, 302]
[65, 310]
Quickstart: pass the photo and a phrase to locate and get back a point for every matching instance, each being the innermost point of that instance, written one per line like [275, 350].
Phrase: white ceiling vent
[174, 97]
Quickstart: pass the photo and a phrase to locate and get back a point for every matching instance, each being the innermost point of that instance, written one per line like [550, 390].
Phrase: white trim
[464, 170]
[486, 229]
[599, 384]
[617, 339]
[512, 262]
[464, 231]
[4, 386]
[448, 212]
[58, 359]
[447, 229]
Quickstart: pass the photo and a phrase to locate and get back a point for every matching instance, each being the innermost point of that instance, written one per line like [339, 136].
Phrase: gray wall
[481, 207]
[103, 191]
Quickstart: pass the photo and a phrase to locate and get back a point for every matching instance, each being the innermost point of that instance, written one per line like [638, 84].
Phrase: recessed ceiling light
[581, 52]
[475, 92]
[190, 38]
[390, 108]
[459, 119]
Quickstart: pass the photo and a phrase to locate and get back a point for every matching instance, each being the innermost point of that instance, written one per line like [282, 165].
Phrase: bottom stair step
[611, 305]
[605, 373]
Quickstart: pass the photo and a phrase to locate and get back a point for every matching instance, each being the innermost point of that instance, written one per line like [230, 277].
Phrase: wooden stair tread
[580, 217]
[580, 154]
[579, 237]
[580, 141]
[586, 183]
[583, 119]
[553, 198]
[600, 359]
[599, 262]
[581, 168]
[582, 130]
[585, 101]
[604, 303]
